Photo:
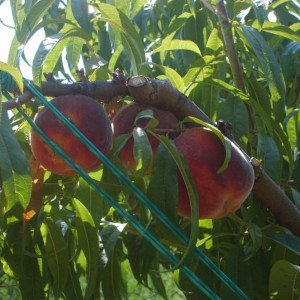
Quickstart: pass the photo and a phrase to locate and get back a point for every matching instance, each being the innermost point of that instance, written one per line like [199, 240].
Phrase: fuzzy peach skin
[219, 194]
[89, 117]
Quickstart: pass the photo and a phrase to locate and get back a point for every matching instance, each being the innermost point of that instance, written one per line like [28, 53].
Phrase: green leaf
[256, 238]
[57, 255]
[230, 88]
[127, 33]
[284, 144]
[14, 72]
[287, 240]
[28, 27]
[142, 150]
[253, 101]
[284, 280]
[268, 63]
[177, 23]
[268, 152]
[110, 235]
[50, 50]
[19, 259]
[96, 205]
[278, 29]
[174, 78]
[89, 243]
[163, 186]
[296, 197]
[81, 14]
[177, 45]
[214, 43]
[33, 17]
[146, 114]
[158, 283]
[194, 72]
[74, 49]
[209, 94]
[137, 5]
[141, 254]
[296, 167]
[72, 288]
[234, 111]
[276, 4]
[192, 193]
[15, 173]
[113, 284]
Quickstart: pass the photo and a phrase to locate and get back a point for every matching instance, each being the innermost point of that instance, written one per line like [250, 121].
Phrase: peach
[125, 121]
[89, 117]
[219, 193]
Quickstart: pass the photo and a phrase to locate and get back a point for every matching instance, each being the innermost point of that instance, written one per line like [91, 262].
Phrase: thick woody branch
[163, 95]
[278, 203]
[104, 90]
[100, 90]
[22, 99]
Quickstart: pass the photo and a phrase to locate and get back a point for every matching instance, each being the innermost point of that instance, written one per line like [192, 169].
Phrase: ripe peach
[124, 122]
[219, 193]
[89, 117]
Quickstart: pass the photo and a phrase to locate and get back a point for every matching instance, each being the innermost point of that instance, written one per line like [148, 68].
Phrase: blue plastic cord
[143, 198]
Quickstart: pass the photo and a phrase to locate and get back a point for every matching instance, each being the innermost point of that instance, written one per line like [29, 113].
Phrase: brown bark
[102, 90]
[162, 94]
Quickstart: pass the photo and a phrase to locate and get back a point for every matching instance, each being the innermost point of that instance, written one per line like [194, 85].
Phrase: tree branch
[235, 66]
[104, 90]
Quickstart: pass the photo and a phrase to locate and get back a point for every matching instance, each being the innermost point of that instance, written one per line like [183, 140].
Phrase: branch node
[258, 171]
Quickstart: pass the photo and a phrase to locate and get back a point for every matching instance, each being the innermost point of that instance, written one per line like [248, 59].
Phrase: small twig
[235, 66]
[20, 100]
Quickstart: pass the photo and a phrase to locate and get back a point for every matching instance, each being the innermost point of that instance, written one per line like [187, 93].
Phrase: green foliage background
[77, 247]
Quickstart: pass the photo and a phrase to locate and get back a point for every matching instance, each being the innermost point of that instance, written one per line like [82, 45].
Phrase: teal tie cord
[122, 177]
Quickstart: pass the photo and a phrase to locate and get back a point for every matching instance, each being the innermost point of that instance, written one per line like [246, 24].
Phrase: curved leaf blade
[192, 193]
[130, 38]
[50, 51]
[57, 255]
[14, 168]
[268, 62]
[175, 79]
[278, 29]
[89, 243]
[15, 73]
[175, 44]
[163, 186]
[284, 280]
[27, 29]
[80, 12]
